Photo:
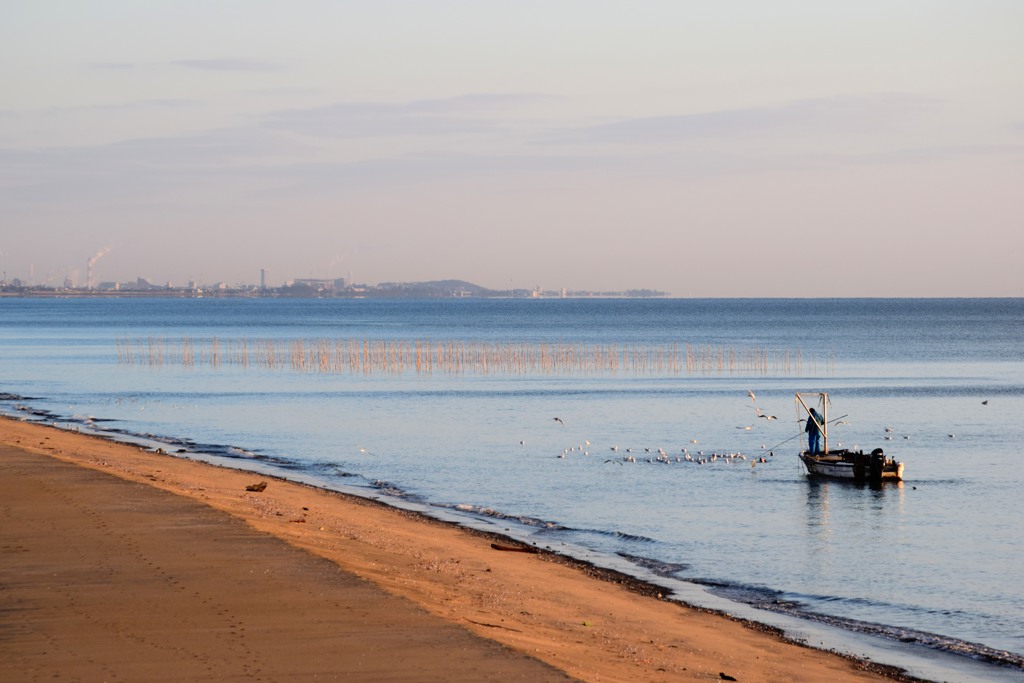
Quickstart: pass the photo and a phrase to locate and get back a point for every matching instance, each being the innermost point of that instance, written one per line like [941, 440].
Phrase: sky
[706, 149]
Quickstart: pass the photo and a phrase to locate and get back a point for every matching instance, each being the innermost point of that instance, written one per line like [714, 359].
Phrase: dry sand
[114, 578]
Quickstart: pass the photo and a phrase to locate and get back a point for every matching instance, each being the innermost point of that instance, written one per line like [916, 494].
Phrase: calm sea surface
[449, 406]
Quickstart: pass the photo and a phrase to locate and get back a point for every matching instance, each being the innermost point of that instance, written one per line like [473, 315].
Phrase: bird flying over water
[558, 420]
[751, 395]
[985, 402]
[767, 417]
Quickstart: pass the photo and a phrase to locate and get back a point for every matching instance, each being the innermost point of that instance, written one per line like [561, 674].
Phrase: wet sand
[123, 564]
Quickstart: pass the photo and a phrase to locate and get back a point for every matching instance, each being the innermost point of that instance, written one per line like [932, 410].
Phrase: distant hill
[433, 289]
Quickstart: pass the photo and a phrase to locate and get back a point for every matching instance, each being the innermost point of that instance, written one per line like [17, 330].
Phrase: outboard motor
[877, 465]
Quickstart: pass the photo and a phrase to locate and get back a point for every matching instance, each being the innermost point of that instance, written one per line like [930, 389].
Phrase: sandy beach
[124, 564]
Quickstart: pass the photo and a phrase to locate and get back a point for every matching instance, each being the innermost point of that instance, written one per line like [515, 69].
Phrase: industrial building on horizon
[299, 287]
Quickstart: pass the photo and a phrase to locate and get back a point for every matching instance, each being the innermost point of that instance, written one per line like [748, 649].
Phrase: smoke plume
[99, 254]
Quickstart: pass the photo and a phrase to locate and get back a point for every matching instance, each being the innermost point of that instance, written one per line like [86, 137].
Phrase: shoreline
[589, 622]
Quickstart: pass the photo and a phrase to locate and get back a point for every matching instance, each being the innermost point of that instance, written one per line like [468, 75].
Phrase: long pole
[823, 397]
[824, 420]
[785, 441]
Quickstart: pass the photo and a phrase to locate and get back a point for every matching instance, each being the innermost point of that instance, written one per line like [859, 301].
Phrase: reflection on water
[906, 555]
[818, 509]
[852, 530]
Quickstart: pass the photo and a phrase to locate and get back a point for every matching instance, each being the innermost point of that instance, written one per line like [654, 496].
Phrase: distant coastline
[437, 289]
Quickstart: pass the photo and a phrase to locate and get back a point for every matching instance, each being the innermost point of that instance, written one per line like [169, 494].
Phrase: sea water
[926, 575]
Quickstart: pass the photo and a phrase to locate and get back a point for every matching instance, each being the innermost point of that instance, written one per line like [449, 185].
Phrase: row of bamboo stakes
[399, 356]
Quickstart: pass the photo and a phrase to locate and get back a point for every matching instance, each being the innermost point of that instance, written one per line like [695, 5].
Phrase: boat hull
[871, 467]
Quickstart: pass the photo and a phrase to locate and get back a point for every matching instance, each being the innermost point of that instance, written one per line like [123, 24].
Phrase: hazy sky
[735, 148]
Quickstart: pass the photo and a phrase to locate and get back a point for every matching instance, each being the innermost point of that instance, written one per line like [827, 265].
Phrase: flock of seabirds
[660, 456]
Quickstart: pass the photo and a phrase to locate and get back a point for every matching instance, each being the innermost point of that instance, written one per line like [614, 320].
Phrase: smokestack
[91, 262]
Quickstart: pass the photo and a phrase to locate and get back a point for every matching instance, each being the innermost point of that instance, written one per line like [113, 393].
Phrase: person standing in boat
[813, 432]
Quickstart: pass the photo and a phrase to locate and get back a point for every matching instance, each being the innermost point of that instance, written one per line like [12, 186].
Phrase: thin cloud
[226, 65]
[222, 148]
[216, 146]
[133, 106]
[449, 116]
[849, 114]
[140, 169]
[151, 104]
[285, 90]
[113, 66]
[412, 168]
[473, 102]
[937, 153]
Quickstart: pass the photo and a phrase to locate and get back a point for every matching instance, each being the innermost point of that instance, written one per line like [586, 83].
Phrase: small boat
[874, 467]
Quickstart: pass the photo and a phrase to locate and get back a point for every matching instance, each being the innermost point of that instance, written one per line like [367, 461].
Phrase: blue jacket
[812, 426]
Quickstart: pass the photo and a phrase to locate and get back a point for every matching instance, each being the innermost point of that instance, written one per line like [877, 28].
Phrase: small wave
[182, 445]
[773, 601]
[16, 397]
[35, 412]
[619, 535]
[666, 569]
[239, 453]
[328, 468]
[90, 419]
[930, 640]
[524, 520]
[393, 491]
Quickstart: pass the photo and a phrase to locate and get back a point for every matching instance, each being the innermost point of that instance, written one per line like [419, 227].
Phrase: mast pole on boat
[823, 397]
